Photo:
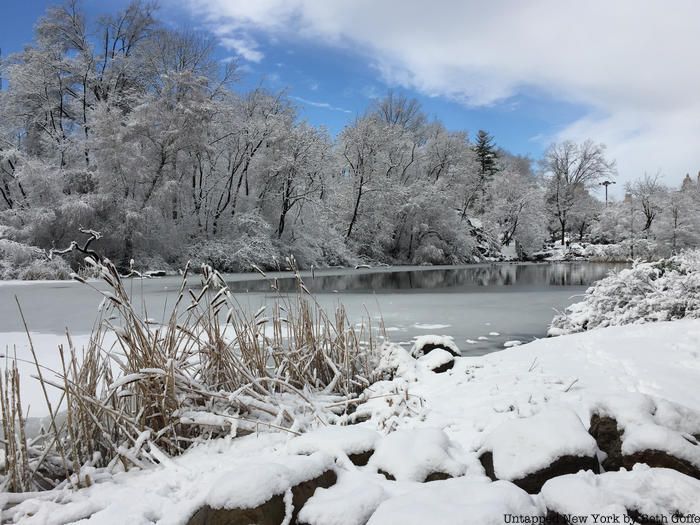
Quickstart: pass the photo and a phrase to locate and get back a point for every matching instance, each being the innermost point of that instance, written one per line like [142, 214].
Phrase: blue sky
[528, 72]
[331, 85]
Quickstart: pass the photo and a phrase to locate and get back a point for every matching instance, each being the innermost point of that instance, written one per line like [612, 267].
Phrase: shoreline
[254, 275]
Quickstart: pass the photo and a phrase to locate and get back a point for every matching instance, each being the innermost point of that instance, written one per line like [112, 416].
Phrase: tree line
[135, 130]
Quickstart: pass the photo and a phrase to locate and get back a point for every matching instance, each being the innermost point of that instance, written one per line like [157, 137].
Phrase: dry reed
[208, 370]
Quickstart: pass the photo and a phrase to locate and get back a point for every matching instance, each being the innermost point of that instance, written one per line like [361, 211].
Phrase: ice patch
[422, 326]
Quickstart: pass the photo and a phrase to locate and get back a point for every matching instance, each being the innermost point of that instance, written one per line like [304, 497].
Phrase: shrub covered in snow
[20, 261]
[665, 290]
[237, 255]
[623, 251]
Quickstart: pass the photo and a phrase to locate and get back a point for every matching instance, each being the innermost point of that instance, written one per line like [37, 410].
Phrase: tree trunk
[562, 222]
[357, 206]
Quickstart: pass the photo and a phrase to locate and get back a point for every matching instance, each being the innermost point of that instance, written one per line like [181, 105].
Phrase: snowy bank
[426, 435]
[660, 291]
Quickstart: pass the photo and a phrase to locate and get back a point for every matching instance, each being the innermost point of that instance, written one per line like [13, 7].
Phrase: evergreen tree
[486, 154]
[486, 157]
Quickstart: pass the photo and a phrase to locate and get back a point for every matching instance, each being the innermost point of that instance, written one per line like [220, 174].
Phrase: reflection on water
[456, 279]
[468, 303]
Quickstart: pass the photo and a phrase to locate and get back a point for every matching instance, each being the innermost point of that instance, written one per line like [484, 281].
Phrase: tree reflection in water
[457, 279]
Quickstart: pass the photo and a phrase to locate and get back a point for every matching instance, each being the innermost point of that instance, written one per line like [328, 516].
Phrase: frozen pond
[480, 306]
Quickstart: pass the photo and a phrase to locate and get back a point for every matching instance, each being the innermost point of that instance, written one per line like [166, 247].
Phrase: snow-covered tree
[572, 169]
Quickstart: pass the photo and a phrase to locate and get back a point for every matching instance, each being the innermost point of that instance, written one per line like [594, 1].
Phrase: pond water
[480, 306]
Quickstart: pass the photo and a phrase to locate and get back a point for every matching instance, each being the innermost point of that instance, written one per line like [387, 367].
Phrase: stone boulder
[417, 454]
[646, 496]
[254, 492]
[272, 512]
[438, 360]
[530, 451]
[357, 443]
[425, 344]
[676, 451]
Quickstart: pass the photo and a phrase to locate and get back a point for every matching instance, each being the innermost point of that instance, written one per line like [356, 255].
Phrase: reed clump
[142, 391]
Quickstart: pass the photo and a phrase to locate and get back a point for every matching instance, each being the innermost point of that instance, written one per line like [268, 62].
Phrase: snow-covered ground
[424, 442]
[585, 251]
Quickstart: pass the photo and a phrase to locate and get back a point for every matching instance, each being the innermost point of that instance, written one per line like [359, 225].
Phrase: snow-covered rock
[637, 428]
[437, 360]
[425, 344]
[350, 502]
[644, 493]
[418, 454]
[529, 451]
[355, 442]
[458, 501]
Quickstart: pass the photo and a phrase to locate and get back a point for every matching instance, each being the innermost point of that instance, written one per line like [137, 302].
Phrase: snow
[511, 343]
[509, 253]
[531, 403]
[458, 501]
[350, 502]
[495, 334]
[436, 358]
[648, 292]
[654, 424]
[437, 340]
[413, 454]
[175, 490]
[649, 491]
[335, 440]
[523, 446]
[252, 483]
[46, 347]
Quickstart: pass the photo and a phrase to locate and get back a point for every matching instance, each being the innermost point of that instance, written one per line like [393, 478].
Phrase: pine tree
[486, 154]
[487, 157]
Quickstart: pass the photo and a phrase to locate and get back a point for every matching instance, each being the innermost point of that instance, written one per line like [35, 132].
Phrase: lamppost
[606, 183]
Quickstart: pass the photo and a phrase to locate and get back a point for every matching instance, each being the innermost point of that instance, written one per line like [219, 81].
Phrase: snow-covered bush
[644, 249]
[41, 269]
[248, 243]
[321, 247]
[20, 261]
[234, 255]
[665, 290]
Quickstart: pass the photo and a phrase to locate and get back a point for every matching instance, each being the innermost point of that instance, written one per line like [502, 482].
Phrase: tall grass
[142, 391]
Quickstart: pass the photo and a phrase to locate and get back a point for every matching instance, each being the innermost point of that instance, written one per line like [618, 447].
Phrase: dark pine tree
[487, 157]
[486, 153]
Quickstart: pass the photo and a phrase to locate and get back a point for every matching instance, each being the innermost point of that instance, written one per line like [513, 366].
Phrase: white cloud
[243, 47]
[323, 105]
[632, 63]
